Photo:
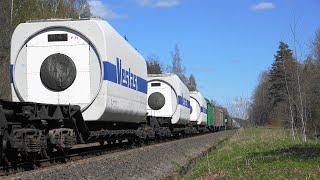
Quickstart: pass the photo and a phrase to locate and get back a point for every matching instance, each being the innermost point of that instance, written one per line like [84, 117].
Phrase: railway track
[78, 152]
[81, 152]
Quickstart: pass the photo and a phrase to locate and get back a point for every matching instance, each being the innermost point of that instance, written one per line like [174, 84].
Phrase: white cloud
[167, 3]
[263, 6]
[98, 8]
[158, 3]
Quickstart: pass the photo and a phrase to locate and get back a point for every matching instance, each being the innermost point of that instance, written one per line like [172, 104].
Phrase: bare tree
[153, 65]
[177, 67]
[316, 46]
[290, 101]
[298, 74]
[239, 107]
[261, 102]
[84, 9]
[192, 84]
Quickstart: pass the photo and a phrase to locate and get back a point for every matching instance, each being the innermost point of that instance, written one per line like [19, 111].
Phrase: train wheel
[2, 154]
[138, 141]
[44, 154]
[147, 140]
[3, 149]
[101, 142]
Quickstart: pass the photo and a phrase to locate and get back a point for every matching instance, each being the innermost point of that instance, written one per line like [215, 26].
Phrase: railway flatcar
[168, 103]
[198, 112]
[88, 84]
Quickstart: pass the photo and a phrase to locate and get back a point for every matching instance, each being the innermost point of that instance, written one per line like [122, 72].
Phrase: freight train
[79, 81]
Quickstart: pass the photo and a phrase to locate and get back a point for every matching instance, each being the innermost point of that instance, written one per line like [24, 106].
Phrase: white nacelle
[176, 95]
[110, 82]
[199, 108]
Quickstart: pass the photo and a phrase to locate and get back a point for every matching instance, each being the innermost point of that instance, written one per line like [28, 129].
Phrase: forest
[288, 93]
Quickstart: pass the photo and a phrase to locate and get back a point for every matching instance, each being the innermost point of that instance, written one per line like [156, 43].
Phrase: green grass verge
[260, 153]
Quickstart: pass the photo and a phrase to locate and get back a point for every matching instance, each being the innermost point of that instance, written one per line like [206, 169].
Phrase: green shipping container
[209, 114]
[222, 118]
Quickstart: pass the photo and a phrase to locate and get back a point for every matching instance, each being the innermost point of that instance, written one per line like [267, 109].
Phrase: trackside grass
[260, 153]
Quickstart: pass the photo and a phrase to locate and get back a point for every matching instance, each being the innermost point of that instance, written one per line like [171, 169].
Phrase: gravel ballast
[163, 160]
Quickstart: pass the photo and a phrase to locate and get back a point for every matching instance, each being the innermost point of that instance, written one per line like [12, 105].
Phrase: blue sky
[225, 44]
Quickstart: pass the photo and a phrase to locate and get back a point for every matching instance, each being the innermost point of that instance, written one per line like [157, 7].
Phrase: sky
[226, 44]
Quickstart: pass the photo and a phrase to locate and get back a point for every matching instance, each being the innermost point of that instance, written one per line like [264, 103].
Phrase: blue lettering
[135, 82]
[123, 82]
[126, 78]
[119, 71]
[129, 78]
[118, 75]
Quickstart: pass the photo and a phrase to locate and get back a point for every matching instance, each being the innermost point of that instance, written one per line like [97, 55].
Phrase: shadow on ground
[297, 151]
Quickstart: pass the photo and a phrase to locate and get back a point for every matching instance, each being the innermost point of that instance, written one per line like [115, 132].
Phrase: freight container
[198, 110]
[218, 117]
[168, 97]
[210, 114]
[79, 62]
[222, 118]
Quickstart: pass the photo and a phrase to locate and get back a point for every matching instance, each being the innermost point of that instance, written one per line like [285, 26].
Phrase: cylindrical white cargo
[82, 62]
[168, 97]
[198, 108]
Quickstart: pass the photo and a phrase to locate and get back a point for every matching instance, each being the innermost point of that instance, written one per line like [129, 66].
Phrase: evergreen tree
[279, 74]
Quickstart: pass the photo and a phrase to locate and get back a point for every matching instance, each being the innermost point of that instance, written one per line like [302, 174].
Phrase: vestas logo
[117, 74]
[126, 77]
[184, 102]
[204, 110]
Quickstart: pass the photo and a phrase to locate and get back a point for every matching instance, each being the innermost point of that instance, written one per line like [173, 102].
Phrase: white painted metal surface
[199, 108]
[111, 76]
[177, 98]
[38, 49]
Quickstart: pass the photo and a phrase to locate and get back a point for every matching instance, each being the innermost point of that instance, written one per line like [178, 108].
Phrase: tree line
[288, 94]
[14, 12]
[154, 66]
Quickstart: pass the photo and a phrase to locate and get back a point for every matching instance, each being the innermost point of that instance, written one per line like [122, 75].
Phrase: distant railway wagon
[210, 115]
[218, 118]
[198, 111]
[168, 104]
[223, 121]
